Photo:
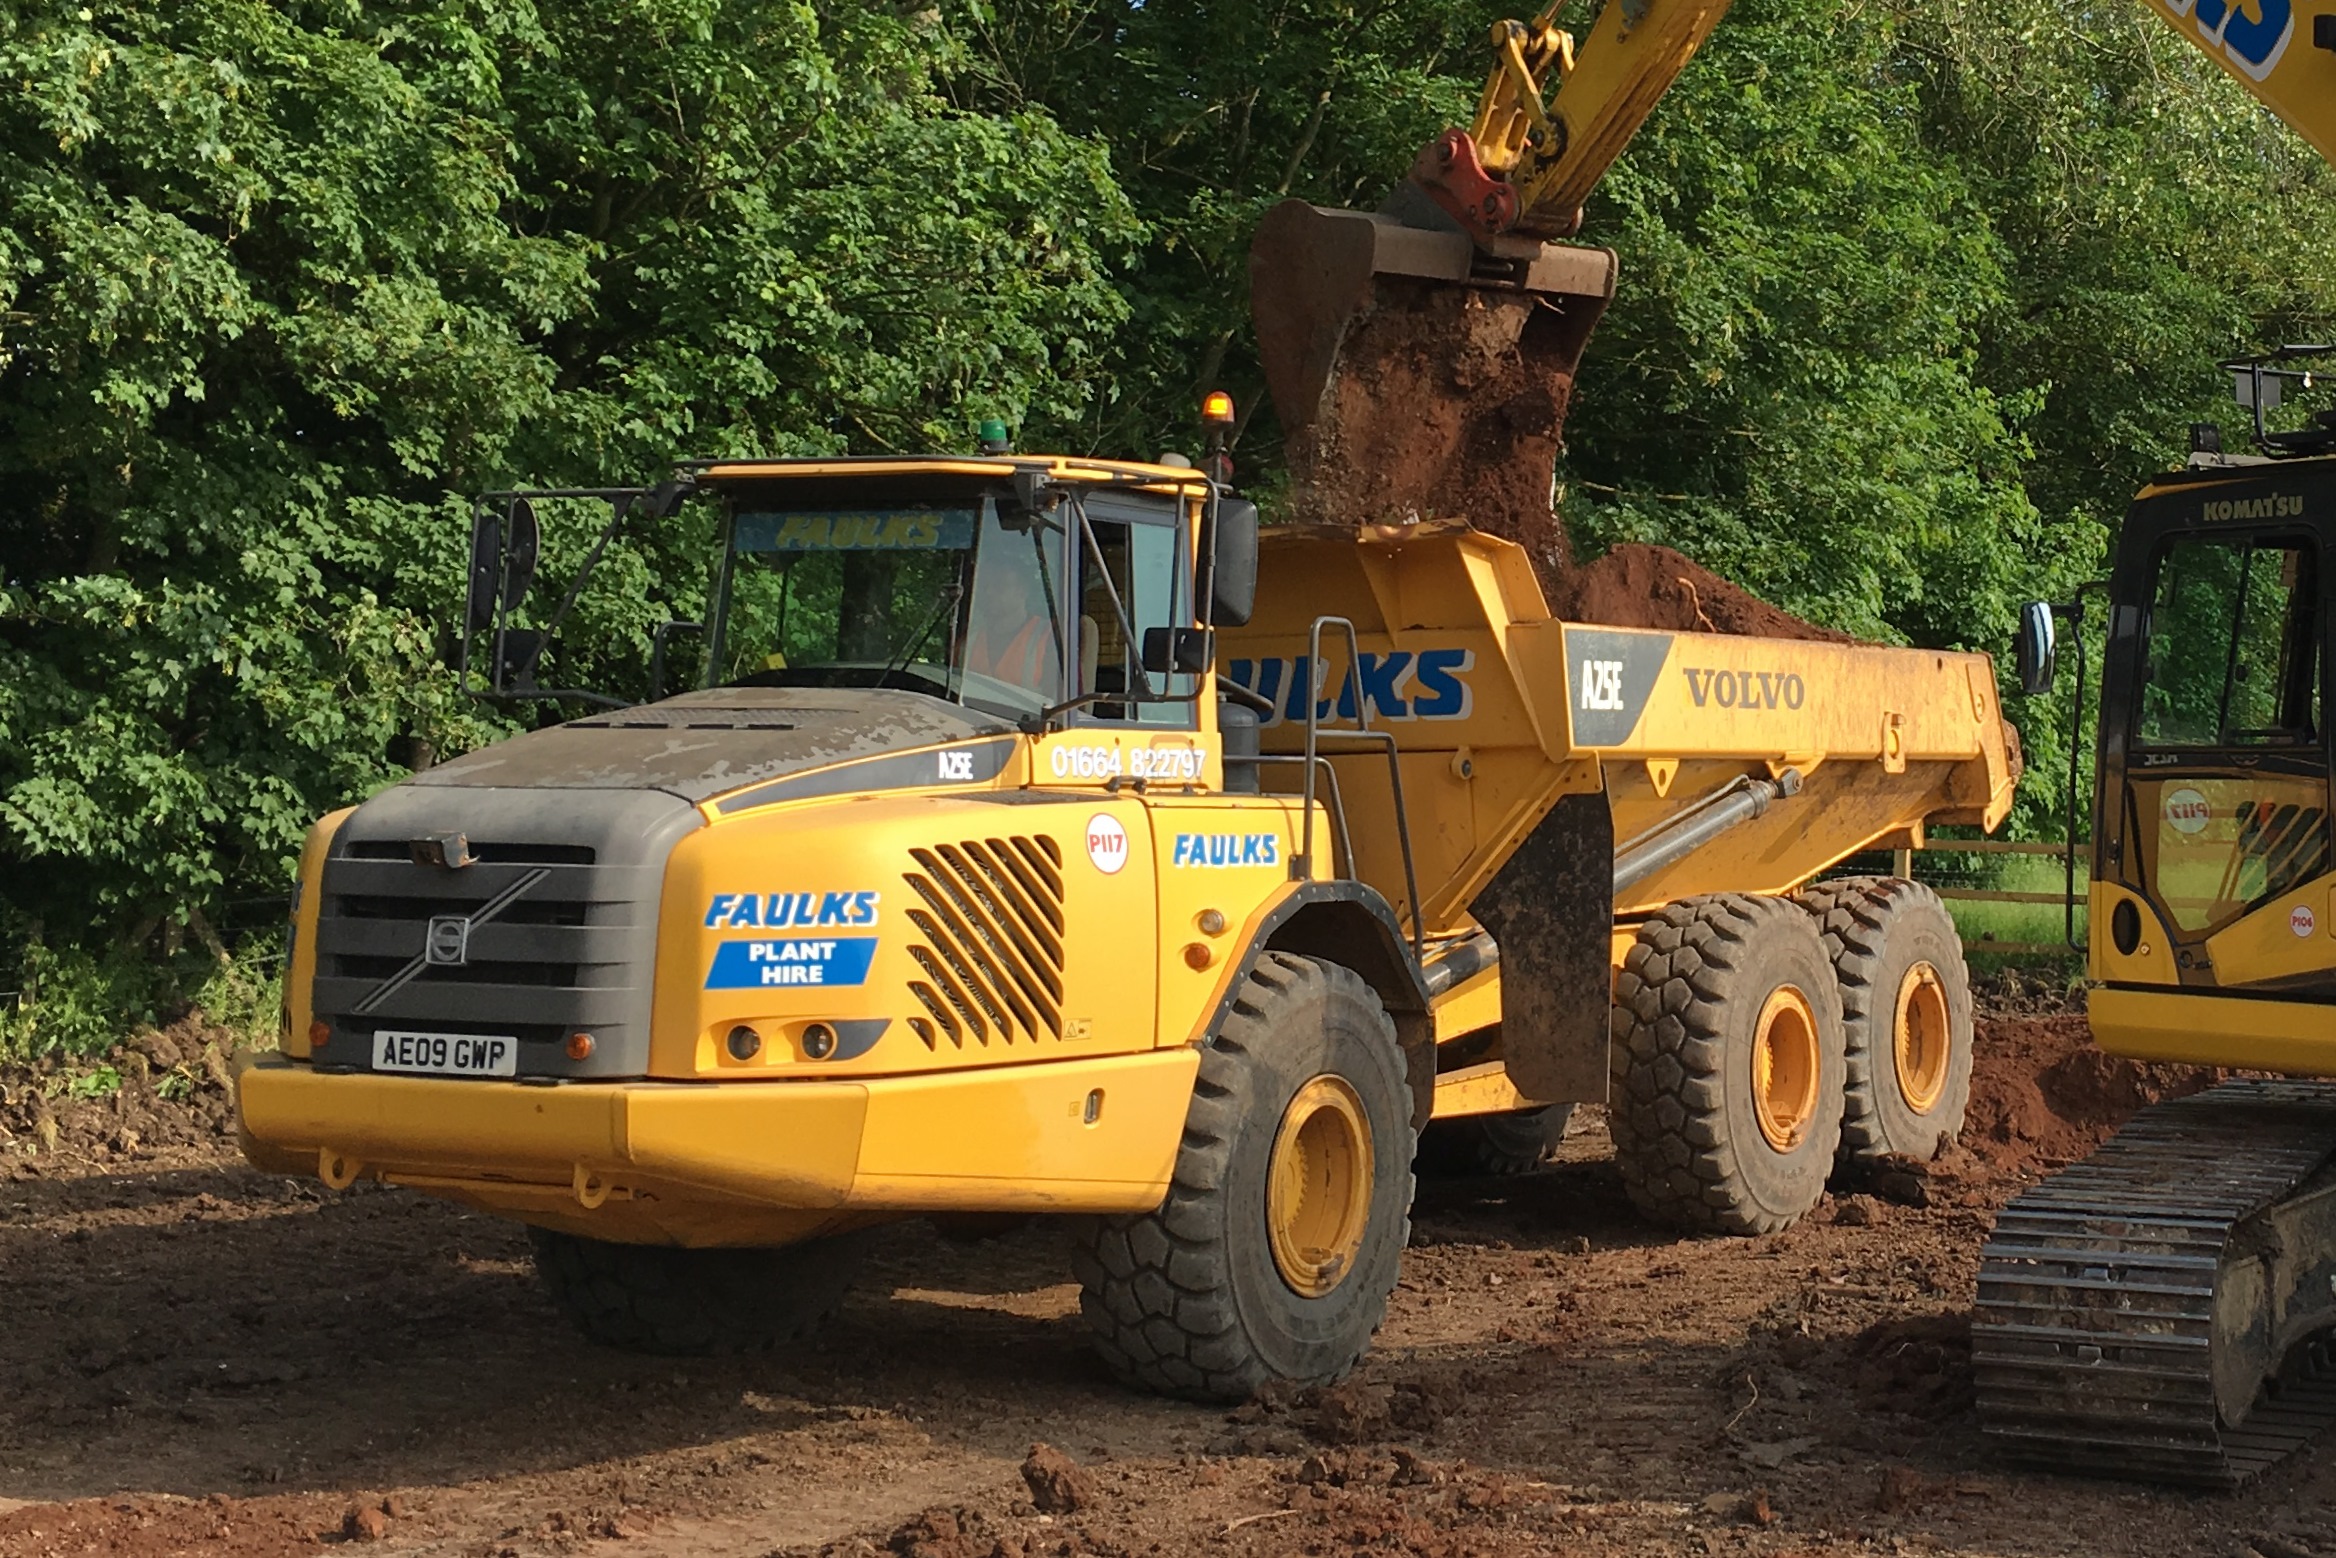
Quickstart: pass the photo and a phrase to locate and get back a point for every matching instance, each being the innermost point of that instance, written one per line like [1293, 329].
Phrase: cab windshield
[962, 597]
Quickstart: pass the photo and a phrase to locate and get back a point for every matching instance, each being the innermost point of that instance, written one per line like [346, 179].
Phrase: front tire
[1728, 1063]
[1906, 1015]
[657, 1298]
[1279, 1242]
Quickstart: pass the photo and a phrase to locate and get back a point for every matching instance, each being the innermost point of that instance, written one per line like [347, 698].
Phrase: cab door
[2216, 789]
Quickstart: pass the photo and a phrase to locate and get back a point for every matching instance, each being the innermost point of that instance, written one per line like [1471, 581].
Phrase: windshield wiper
[950, 596]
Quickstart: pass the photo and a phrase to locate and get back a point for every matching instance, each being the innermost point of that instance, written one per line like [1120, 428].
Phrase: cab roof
[1166, 479]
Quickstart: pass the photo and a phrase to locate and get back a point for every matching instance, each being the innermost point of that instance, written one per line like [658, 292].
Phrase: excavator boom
[2286, 58]
[1420, 356]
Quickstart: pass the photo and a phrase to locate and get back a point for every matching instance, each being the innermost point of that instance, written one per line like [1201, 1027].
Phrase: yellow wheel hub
[1787, 1067]
[1318, 1186]
[1921, 1038]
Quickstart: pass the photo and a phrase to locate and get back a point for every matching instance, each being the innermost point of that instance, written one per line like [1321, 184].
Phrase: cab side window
[1142, 564]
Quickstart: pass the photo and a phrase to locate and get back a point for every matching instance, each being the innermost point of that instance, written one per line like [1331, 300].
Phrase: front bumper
[738, 1162]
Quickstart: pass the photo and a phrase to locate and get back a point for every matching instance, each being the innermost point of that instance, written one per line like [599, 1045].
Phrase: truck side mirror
[486, 568]
[1168, 651]
[1233, 566]
[526, 544]
[2037, 648]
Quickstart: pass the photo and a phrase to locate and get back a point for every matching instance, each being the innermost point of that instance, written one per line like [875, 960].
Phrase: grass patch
[75, 1004]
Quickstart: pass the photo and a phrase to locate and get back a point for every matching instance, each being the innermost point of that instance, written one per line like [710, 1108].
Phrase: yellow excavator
[2166, 1309]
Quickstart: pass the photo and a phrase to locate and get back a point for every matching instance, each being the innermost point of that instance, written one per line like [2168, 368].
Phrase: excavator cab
[2213, 831]
[2212, 841]
[2164, 1308]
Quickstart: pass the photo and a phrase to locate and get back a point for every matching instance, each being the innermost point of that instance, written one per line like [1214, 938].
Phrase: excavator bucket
[1419, 373]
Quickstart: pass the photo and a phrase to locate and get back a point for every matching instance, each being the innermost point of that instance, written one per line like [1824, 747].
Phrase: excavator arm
[1551, 119]
[1457, 261]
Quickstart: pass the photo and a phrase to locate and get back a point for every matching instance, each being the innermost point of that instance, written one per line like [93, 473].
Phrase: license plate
[447, 1054]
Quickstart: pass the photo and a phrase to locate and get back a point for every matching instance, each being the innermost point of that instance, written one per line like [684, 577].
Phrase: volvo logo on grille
[446, 940]
[448, 945]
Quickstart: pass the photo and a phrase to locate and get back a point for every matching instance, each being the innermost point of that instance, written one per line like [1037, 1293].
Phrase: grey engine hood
[702, 744]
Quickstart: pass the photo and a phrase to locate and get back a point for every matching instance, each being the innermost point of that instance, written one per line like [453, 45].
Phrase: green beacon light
[994, 438]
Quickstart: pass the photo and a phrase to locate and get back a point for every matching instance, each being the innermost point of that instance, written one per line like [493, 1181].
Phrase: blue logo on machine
[859, 530]
[791, 911]
[1400, 684]
[1228, 849]
[791, 961]
[2254, 36]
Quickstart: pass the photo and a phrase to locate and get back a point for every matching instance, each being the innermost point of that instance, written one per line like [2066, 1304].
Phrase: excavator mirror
[486, 567]
[2037, 648]
[1233, 564]
[526, 546]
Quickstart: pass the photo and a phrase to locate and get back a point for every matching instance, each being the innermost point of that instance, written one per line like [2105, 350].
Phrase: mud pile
[1641, 586]
[1450, 403]
[160, 1088]
[2041, 1093]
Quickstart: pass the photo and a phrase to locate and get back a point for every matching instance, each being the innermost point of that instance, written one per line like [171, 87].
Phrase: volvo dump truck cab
[1039, 839]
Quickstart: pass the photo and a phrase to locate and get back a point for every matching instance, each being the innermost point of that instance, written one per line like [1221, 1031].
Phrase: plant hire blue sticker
[791, 961]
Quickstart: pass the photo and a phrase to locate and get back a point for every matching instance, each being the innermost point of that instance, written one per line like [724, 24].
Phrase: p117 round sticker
[1106, 843]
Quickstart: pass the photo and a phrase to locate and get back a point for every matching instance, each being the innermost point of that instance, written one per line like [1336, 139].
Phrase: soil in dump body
[1450, 403]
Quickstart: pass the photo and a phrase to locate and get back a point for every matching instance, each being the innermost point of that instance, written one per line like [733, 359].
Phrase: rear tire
[1498, 1145]
[1284, 1226]
[656, 1298]
[1727, 1062]
[1905, 1015]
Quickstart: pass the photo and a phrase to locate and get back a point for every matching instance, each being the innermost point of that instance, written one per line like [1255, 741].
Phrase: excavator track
[2098, 1336]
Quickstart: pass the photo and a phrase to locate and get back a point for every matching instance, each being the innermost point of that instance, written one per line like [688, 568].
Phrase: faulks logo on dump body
[790, 911]
[2252, 36]
[792, 960]
[1400, 684]
[1228, 849]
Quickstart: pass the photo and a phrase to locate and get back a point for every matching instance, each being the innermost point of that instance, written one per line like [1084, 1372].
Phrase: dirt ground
[202, 1359]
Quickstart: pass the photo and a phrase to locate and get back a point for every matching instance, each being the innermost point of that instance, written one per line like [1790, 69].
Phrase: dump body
[1500, 709]
[1559, 779]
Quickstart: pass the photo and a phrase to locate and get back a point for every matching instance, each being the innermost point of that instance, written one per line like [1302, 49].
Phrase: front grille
[572, 952]
[492, 854]
[990, 912]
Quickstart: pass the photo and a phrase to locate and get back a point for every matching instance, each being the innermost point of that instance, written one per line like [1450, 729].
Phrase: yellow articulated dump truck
[1039, 838]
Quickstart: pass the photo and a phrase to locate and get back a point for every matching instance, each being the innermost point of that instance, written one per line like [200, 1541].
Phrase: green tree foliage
[278, 280]
[1912, 297]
